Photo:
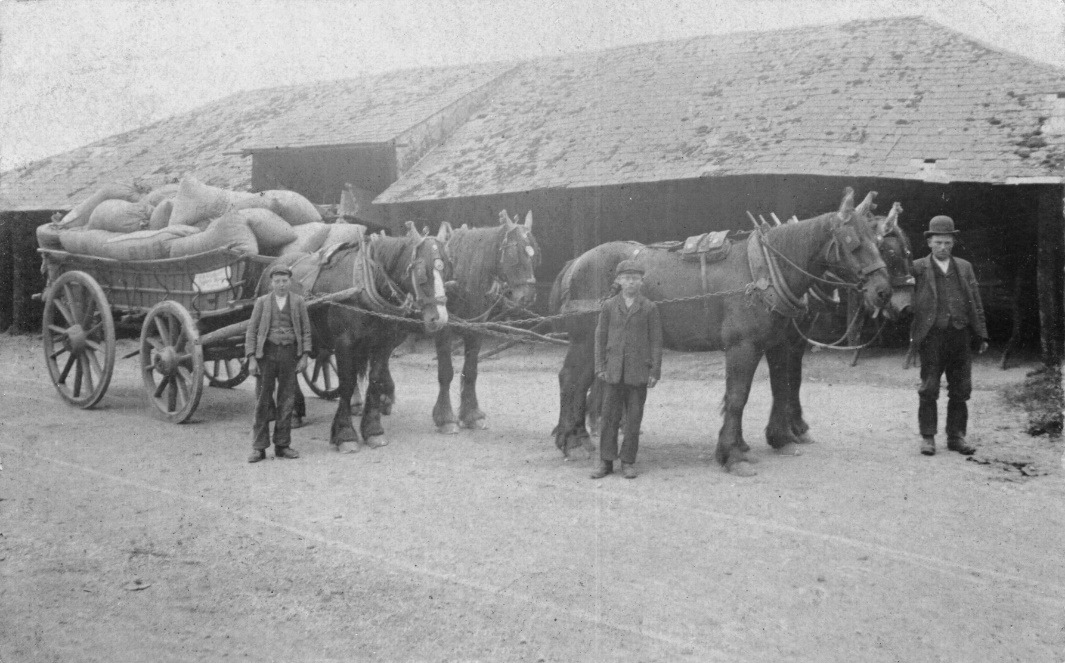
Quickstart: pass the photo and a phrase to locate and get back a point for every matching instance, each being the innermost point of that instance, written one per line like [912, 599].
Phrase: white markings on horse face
[438, 292]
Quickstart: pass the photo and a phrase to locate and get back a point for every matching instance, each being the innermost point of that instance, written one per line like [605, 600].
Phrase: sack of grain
[120, 216]
[342, 232]
[158, 195]
[84, 241]
[197, 203]
[271, 231]
[309, 238]
[48, 236]
[79, 216]
[160, 217]
[289, 205]
[145, 244]
[229, 230]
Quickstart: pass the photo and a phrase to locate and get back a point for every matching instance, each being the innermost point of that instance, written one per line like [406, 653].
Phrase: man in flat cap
[948, 322]
[628, 359]
[277, 343]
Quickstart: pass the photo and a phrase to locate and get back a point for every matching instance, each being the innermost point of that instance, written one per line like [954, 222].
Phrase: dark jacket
[259, 325]
[628, 344]
[925, 299]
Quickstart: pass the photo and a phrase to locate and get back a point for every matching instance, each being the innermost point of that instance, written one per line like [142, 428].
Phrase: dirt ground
[124, 538]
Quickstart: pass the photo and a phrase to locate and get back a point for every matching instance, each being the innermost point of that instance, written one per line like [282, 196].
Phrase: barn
[647, 142]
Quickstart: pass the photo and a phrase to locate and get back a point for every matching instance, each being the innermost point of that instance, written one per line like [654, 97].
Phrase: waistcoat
[281, 330]
[952, 309]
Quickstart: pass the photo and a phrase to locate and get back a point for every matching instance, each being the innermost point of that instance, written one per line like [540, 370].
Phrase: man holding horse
[948, 321]
[628, 359]
[278, 342]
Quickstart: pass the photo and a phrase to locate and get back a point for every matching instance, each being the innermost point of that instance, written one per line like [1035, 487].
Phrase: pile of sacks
[175, 220]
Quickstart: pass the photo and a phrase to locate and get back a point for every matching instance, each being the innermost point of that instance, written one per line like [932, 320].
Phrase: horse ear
[425, 231]
[847, 206]
[465, 226]
[503, 218]
[891, 221]
[528, 220]
[411, 229]
[445, 232]
[867, 205]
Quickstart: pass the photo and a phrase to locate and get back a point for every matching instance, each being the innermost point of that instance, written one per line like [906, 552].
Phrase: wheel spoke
[171, 396]
[183, 380]
[95, 328]
[58, 330]
[88, 310]
[187, 357]
[95, 363]
[64, 310]
[156, 344]
[162, 386]
[66, 369]
[77, 376]
[181, 339]
[164, 332]
[327, 379]
[229, 371]
[58, 352]
[316, 372]
[87, 373]
[72, 302]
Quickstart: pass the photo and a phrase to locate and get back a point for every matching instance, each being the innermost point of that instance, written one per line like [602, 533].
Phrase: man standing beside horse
[628, 359]
[948, 321]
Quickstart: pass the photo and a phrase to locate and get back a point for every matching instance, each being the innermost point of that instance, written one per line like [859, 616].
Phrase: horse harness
[499, 280]
[364, 269]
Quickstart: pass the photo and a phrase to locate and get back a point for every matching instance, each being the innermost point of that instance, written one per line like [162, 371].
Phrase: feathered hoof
[789, 449]
[476, 424]
[347, 448]
[377, 441]
[450, 428]
[741, 468]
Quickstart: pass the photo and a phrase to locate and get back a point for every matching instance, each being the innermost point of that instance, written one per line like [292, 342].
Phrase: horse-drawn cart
[191, 312]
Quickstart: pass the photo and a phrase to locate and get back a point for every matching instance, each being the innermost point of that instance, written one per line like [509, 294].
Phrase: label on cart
[212, 281]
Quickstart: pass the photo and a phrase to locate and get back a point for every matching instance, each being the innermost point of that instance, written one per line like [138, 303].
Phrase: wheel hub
[166, 361]
[76, 337]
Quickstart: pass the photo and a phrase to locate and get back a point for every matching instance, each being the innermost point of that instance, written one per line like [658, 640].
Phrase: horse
[728, 305]
[493, 274]
[399, 276]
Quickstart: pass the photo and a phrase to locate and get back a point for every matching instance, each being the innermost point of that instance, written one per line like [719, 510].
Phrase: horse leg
[576, 376]
[342, 434]
[595, 407]
[470, 414]
[372, 430]
[741, 360]
[443, 415]
[778, 432]
[799, 428]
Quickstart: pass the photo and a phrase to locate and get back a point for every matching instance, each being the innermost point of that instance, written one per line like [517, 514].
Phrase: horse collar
[767, 284]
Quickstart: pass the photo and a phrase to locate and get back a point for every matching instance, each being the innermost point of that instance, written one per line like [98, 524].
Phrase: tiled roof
[207, 141]
[876, 98]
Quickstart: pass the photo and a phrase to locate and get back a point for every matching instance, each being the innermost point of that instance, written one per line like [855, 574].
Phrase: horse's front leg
[443, 415]
[342, 434]
[741, 360]
[574, 380]
[778, 432]
[799, 428]
[372, 430]
[470, 414]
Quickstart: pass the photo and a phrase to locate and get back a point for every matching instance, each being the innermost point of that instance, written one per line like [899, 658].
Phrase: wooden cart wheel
[172, 361]
[226, 373]
[78, 335]
[321, 376]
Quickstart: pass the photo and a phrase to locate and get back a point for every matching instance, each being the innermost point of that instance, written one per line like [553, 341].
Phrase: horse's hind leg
[443, 416]
[342, 434]
[778, 432]
[576, 376]
[741, 360]
[470, 414]
[372, 430]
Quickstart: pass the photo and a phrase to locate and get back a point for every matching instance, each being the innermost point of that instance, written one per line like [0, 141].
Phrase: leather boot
[928, 446]
[604, 468]
[959, 444]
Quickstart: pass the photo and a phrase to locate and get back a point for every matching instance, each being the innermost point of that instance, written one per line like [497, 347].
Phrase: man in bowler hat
[948, 323]
[277, 343]
[628, 359]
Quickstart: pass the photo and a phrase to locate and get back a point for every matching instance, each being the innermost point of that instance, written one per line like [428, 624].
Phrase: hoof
[804, 438]
[476, 424]
[450, 428]
[789, 449]
[741, 468]
[347, 448]
[578, 453]
[376, 441]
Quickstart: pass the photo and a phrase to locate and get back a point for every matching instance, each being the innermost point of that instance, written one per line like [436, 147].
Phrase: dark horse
[724, 307]
[493, 274]
[407, 276]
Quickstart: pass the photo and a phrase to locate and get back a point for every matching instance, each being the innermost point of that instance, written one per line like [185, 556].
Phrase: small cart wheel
[172, 361]
[226, 373]
[78, 335]
[321, 376]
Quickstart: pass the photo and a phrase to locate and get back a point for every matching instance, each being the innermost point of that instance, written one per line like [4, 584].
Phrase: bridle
[496, 293]
[418, 265]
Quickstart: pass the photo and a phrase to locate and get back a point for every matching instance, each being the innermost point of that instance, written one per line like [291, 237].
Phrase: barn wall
[20, 271]
[320, 174]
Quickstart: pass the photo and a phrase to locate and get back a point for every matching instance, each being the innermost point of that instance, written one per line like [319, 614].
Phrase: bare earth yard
[124, 538]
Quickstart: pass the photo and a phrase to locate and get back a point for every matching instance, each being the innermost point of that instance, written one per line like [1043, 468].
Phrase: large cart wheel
[172, 361]
[226, 373]
[78, 335]
[321, 376]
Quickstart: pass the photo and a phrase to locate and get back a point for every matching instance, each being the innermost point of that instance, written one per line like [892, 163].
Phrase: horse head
[895, 250]
[854, 251]
[519, 256]
[427, 269]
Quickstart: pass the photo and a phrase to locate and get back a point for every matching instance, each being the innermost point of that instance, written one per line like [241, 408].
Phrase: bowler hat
[940, 225]
[280, 269]
[628, 266]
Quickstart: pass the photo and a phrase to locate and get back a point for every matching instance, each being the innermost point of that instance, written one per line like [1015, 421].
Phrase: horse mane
[797, 237]
[474, 254]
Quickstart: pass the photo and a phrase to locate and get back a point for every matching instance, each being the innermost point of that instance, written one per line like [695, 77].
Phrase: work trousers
[277, 371]
[945, 351]
[619, 399]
